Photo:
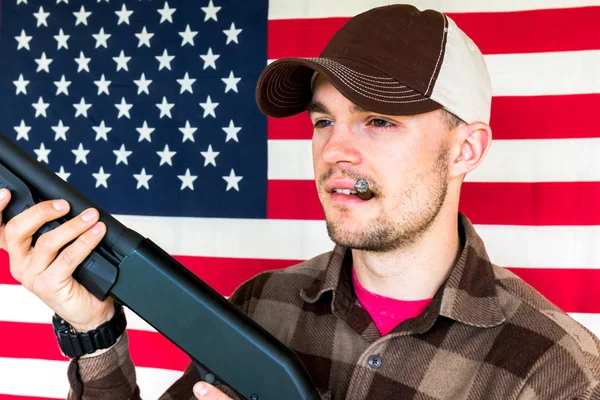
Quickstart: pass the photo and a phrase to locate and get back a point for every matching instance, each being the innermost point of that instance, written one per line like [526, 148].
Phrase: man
[408, 304]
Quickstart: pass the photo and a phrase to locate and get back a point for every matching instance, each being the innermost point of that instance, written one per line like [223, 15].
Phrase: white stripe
[539, 160]
[291, 9]
[590, 321]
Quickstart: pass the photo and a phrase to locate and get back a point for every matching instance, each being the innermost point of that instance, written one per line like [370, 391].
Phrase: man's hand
[205, 391]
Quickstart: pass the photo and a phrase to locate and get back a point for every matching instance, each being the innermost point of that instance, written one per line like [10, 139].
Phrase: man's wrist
[94, 325]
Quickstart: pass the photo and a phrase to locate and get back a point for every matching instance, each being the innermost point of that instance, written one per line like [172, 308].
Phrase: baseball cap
[394, 60]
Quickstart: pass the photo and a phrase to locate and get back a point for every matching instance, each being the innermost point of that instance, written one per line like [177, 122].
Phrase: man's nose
[342, 146]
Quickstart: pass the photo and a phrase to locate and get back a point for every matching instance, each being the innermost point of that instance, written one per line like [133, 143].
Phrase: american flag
[147, 107]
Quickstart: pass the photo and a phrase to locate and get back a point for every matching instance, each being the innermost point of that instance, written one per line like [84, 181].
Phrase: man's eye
[381, 123]
[322, 123]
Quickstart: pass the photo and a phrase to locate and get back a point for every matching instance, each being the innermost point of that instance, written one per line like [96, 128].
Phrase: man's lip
[338, 184]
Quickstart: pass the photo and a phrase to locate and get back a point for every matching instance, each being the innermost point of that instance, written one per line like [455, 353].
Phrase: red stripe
[545, 203]
[513, 117]
[566, 29]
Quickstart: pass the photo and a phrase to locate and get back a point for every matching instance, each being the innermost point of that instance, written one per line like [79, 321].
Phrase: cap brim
[284, 87]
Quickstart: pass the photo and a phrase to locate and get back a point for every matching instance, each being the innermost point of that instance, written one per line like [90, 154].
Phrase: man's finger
[205, 391]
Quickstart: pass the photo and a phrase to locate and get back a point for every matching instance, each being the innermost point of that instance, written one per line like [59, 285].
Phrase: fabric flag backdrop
[148, 108]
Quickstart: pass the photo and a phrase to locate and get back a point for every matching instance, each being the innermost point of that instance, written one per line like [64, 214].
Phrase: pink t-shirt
[386, 312]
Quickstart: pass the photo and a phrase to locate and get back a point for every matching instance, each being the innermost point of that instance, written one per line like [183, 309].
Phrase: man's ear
[472, 145]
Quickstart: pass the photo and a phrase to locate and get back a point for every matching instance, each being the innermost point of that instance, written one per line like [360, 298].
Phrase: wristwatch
[74, 344]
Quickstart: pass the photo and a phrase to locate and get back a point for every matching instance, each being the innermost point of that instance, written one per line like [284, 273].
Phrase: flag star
[142, 179]
[186, 84]
[21, 85]
[101, 38]
[103, 85]
[166, 13]
[41, 17]
[145, 132]
[82, 62]
[122, 61]
[165, 108]
[22, 131]
[209, 107]
[42, 153]
[143, 84]
[80, 154]
[232, 181]
[124, 108]
[122, 155]
[232, 34]
[210, 11]
[60, 131]
[209, 156]
[165, 60]
[101, 131]
[231, 132]
[82, 108]
[62, 1]
[21, 1]
[62, 86]
[40, 107]
[101, 178]
[209, 59]
[166, 155]
[188, 36]
[43, 63]
[187, 180]
[63, 174]
[144, 37]
[231, 82]
[123, 15]
[23, 40]
[82, 16]
[188, 132]
[61, 40]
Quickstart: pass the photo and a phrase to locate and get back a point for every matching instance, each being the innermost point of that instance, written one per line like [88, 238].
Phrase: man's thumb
[203, 390]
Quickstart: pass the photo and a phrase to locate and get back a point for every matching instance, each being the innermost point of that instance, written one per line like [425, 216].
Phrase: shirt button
[375, 361]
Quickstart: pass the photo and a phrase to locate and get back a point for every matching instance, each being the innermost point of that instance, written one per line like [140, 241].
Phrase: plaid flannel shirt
[486, 335]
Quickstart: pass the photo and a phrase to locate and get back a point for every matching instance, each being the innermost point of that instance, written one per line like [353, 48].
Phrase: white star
[122, 155]
[122, 60]
[232, 34]
[210, 11]
[209, 107]
[188, 36]
[145, 132]
[231, 132]
[165, 60]
[209, 156]
[22, 131]
[80, 154]
[23, 40]
[209, 59]
[82, 62]
[61, 40]
[62, 86]
[186, 84]
[124, 15]
[103, 85]
[232, 181]
[231, 82]
[101, 38]
[142, 179]
[42, 153]
[21, 1]
[41, 17]
[43, 63]
[101, 131]
[143, 84]
[166, 14]
[187, 180]
[21, 85]
[60, 131]
[165, 108]
[82, 16]
[40, 107]
[62, 1]
[144, 37]
[166, 155]
[82, 108]
[124, 108]
[63, 174]
[188, 132]
[101, 178]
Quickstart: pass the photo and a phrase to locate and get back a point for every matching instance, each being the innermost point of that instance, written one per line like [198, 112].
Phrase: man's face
[403, 158]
